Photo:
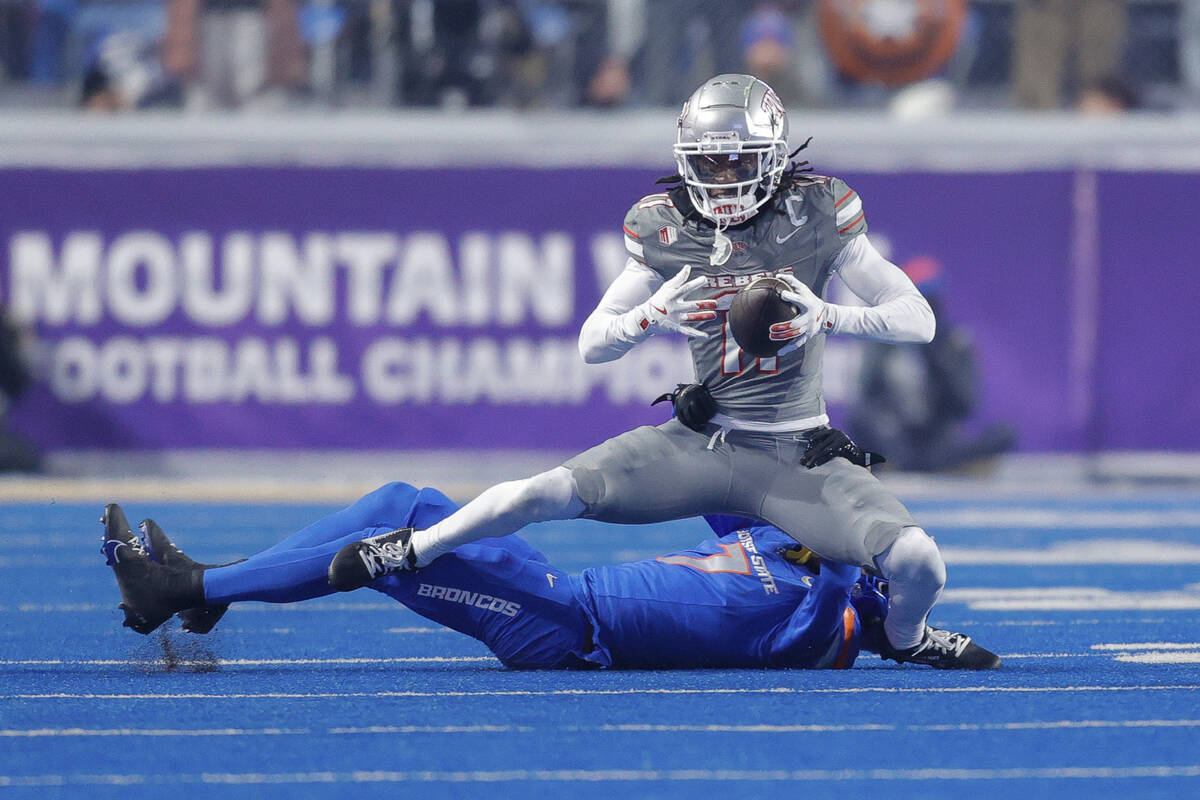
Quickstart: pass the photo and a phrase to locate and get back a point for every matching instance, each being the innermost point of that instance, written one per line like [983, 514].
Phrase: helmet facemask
[728, 179]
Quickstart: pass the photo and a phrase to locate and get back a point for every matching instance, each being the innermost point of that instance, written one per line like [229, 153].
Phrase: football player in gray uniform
[740, 210]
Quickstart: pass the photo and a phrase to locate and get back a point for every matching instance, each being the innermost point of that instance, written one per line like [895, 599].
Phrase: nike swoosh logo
[781, 239]
[659, 310]
[110, 552]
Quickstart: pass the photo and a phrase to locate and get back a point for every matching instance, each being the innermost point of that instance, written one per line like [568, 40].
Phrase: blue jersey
[735, 601]
[731, 602]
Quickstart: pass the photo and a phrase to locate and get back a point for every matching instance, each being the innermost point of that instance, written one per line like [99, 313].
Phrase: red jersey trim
[852, 223]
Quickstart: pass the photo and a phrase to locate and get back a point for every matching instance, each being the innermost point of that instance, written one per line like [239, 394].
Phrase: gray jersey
[801, 231]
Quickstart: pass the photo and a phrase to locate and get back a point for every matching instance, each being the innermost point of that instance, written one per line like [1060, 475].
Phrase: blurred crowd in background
[112, 55]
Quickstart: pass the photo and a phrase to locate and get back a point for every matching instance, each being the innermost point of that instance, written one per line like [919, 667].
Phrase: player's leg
[843, 513]
[916, 576]
[846, 515]
[293, 569]
[503, 593]
[281, 574]
[656, 474]
[297, 568]
[395, 504]
[644, 475]
[500, 510]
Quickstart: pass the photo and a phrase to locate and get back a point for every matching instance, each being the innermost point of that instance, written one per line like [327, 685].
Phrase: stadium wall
[417, 282]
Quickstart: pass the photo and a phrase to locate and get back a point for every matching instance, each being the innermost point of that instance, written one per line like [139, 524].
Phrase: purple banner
[387, 308]
[1147, 384]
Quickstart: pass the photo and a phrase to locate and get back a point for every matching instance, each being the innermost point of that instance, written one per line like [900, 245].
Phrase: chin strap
[722, 246]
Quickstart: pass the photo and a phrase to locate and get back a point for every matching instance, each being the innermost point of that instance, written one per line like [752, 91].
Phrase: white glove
[666, 310]
[815, 315]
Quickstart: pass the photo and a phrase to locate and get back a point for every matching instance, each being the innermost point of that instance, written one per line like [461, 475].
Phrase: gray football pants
[652, 474]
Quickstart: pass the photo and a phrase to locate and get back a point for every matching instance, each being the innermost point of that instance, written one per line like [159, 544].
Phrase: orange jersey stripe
[631, 233]
[847, 637]
[845, 197]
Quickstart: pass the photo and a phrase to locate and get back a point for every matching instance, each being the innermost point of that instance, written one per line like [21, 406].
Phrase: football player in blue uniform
[750, 598]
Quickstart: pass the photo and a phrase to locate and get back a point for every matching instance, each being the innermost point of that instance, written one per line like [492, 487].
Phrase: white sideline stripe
[1072, 598]
[1120, 601]
[1149, 646]
[44, 608]
[988, 726]
[1159, 658]
[1086, 551]
[989, 518]
[603, 692]
[611, 776]
[264, 662]
[391, 729]
[1048, 655]
[35, 733]
[245, 662]
[1042, 623]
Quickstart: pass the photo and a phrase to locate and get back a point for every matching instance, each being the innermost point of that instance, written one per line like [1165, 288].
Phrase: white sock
[501, 510]
[916, 574]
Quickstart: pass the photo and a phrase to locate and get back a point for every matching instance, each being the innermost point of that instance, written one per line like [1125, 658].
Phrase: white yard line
[780, 690]
[613, 776]
[247, 662]
[1160, 658]
[423, 730]
[1149, 646]
[1058, 519]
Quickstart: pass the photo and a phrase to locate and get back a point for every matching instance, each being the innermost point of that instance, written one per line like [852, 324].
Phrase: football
[754, 310]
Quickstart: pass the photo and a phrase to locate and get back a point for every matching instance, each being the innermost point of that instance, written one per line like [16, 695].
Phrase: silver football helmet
[731, 147]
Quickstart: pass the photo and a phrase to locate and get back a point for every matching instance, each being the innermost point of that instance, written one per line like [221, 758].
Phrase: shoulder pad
[801, 185]
[849, 217]
[804, 180]
[640, 220]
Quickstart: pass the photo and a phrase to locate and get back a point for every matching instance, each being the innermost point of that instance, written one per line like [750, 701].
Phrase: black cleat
[201, 619]
[359, 563]
[150, 592]
[941, 649]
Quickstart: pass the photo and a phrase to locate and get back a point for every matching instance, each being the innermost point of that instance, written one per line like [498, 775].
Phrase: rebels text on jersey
[801, 231]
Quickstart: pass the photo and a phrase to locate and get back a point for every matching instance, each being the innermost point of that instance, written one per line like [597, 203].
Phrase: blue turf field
[1094, 603]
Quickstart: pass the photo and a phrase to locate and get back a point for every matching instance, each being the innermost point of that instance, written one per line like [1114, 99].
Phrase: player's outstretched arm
[896, 311]
[637, 305]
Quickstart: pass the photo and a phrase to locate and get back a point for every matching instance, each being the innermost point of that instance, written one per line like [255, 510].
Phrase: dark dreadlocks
[791, 175]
